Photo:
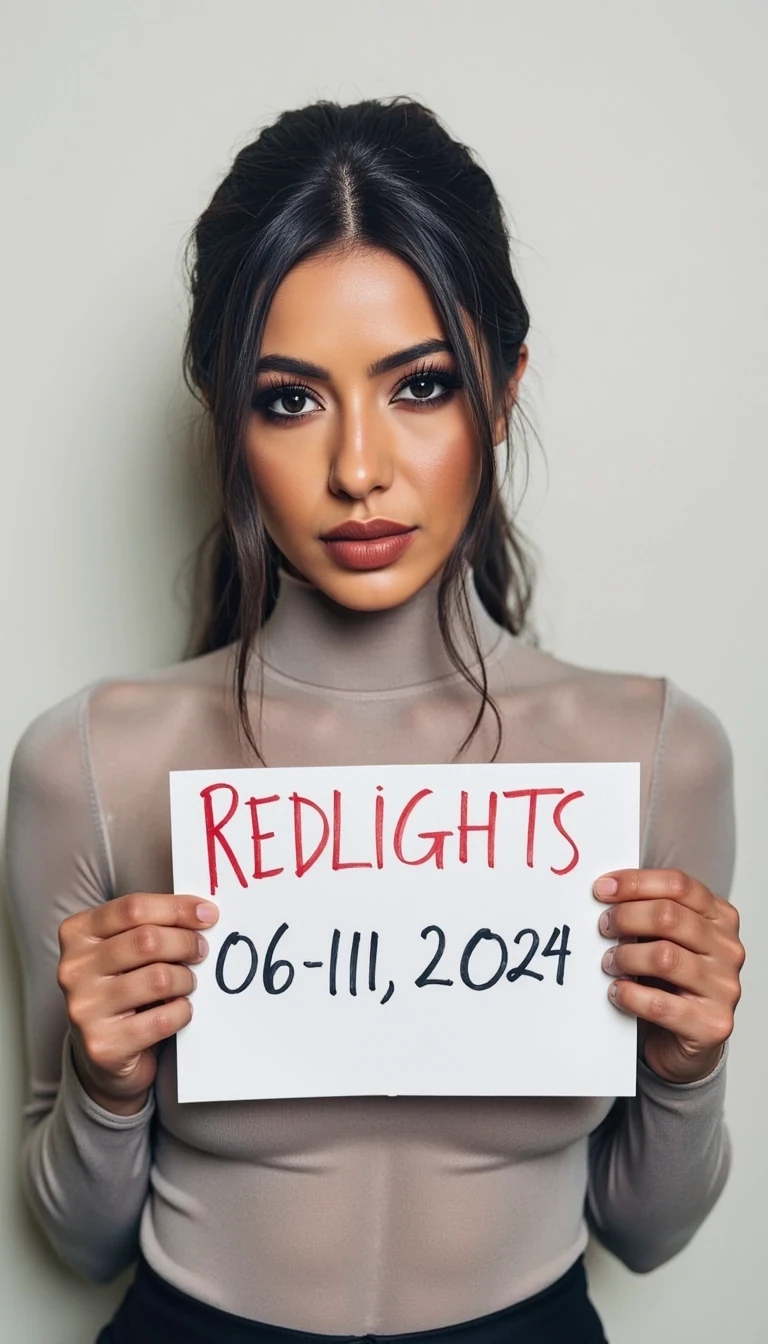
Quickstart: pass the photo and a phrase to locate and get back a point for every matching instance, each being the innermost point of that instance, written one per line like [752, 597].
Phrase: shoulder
[558, 711]
[53, 819]
[693, 748]
[164, 704]
[48, 756]
[55, 748]
[691, 768]
[575, 712]
[588, 713]
[691, 814]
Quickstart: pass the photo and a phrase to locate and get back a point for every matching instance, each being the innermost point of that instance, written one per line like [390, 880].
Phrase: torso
[397, 1213]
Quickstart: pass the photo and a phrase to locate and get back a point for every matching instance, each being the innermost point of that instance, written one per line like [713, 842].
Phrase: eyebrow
[305, 369]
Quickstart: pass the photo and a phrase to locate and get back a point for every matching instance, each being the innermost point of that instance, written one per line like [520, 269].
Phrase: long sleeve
[660, 1160]
[85, 1171]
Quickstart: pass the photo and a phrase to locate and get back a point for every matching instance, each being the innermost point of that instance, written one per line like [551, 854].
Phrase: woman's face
[360, 425]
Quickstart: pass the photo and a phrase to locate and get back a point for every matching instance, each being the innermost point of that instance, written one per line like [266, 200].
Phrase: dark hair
[384, 173]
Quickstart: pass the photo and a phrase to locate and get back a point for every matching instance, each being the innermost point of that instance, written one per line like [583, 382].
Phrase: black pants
[154, 1312]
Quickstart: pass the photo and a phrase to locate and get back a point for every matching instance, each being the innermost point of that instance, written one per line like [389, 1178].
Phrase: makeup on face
[361, 445]
[370, 544]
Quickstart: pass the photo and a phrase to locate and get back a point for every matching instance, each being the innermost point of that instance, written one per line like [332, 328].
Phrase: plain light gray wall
[628, 140]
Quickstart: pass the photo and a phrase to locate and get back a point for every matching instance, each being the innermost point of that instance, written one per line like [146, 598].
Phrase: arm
[659, 1162]
[85, 1169]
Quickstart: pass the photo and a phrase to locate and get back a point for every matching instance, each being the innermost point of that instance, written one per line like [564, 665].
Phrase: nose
[361, 458]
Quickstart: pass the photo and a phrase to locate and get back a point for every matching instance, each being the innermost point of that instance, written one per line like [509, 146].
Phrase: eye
[427, 386]
[421, 389]
[285, 401]
[291, 401]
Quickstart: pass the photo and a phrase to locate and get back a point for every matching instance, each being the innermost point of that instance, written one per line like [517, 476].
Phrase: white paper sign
[404, 929]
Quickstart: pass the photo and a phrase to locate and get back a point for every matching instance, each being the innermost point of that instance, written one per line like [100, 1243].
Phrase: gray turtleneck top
[363, 1214]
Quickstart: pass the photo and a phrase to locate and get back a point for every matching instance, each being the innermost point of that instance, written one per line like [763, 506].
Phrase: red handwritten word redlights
[291, 816]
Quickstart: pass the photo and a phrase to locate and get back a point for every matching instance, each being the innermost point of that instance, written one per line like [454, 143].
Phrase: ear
[510, 395]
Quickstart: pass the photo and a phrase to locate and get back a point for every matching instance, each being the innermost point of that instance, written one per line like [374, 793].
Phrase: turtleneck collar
[312, 639]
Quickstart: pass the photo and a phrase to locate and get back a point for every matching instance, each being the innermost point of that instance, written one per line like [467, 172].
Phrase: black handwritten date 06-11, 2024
[278, 974]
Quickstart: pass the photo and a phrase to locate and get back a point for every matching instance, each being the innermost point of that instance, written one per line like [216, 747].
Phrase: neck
[312, 639]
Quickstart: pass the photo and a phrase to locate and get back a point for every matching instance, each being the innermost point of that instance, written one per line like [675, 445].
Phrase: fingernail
[202, 946]
[206, 913]
[613, 990]
[194, 980]
[609, 959]
[605, 921]
[606, 886]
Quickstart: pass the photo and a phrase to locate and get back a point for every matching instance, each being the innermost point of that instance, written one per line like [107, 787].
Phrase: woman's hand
[688, 958]
[125, 981]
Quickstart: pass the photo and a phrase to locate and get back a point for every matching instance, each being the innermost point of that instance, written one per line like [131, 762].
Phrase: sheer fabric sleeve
[85, 1171]
[659, 1161]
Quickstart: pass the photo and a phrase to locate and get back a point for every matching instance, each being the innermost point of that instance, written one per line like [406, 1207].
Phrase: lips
[370, 530]
[372, 544]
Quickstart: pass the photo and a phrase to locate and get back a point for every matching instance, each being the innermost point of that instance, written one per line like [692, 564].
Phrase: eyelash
[276, 386]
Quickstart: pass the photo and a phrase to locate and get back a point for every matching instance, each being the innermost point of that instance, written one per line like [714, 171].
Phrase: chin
[372, 589]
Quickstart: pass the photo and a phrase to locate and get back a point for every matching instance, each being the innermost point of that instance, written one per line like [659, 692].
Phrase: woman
[357, 339]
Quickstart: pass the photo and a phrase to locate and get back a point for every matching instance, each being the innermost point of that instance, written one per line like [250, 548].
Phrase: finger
[109, 1045]
[151, 984]
[650, 884]
[659, 960]
[129, 912]
[706, 1025]
[658, 919]
[146, 1029]
[148, 944]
